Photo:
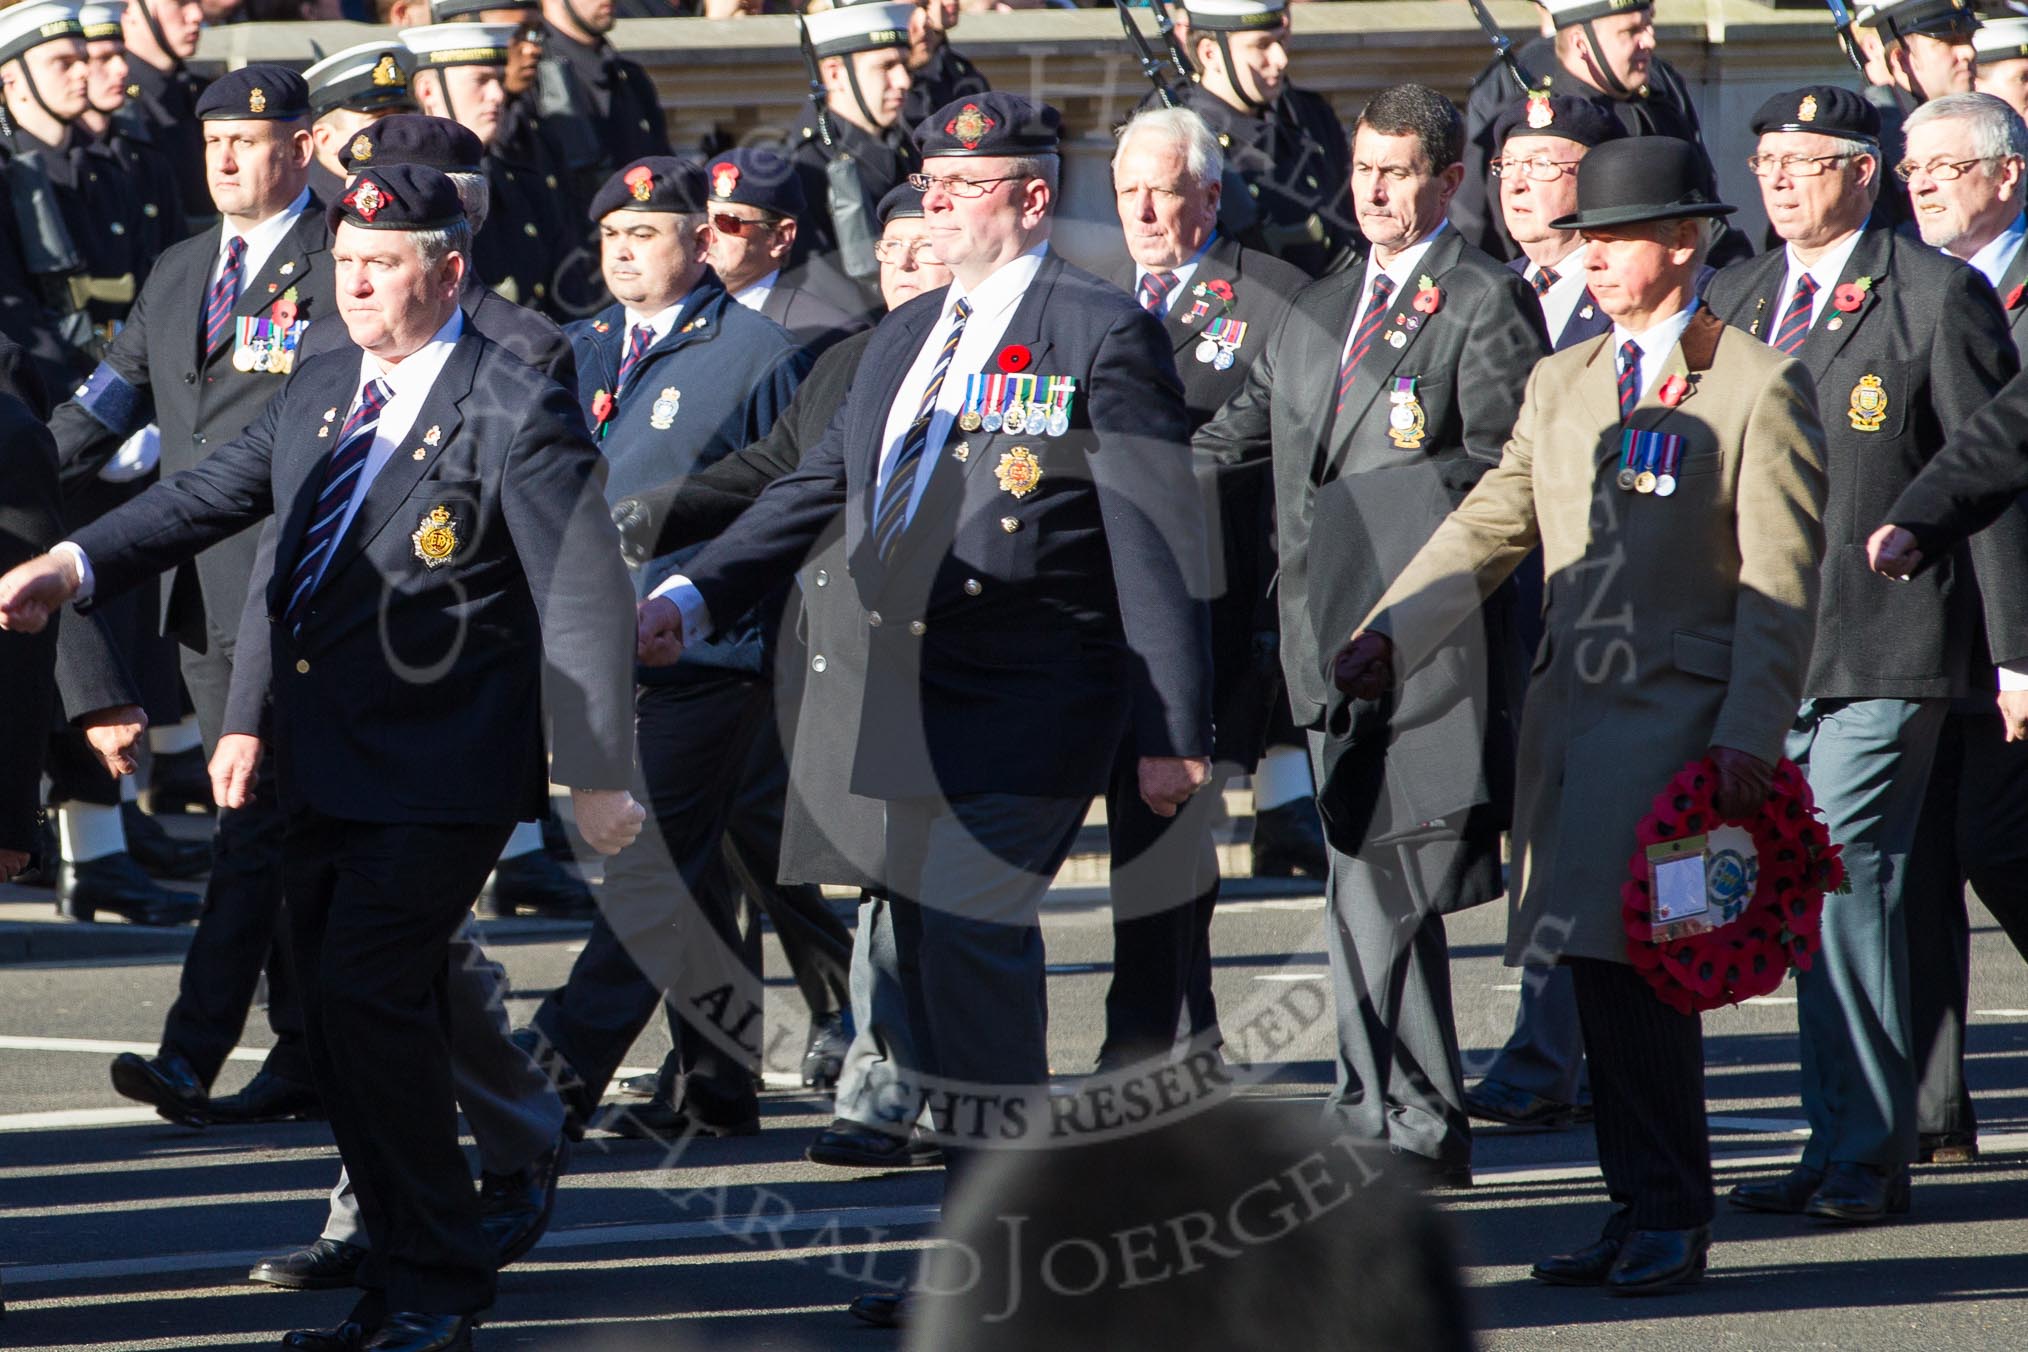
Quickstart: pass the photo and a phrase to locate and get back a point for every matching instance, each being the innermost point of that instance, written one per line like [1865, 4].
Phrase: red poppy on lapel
[1851, 295]
[1014, 358]
[1220, 288]
[1427, 298]
[284, 311]
[602, 410]
[2014, 297]
[1672, 391]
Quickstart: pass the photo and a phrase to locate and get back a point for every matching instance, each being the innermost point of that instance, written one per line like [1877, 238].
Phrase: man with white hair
[1219, 303]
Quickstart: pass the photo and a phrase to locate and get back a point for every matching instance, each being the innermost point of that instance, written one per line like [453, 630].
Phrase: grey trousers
[510, 1105]
[876, 1088]
[1868, 764]
[1544, 1055]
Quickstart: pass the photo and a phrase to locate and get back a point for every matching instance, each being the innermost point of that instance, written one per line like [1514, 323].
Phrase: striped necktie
[341, 477]
[1369, 328]
[1546, 278]
[1630, 378]
[1795, 325]
[899, 491]
[1153, 292]
[224, 295]
[639, 340]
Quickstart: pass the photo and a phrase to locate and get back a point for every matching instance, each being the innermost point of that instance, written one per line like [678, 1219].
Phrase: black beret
[1829, 109]
[655, 183]
[758, 177]
[902, 200]
[1564, 115]
[398, 197]
[266, 92]
[990, 124]
[414, 138]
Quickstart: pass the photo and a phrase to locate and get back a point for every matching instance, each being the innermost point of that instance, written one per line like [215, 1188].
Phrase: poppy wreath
[1780, 926]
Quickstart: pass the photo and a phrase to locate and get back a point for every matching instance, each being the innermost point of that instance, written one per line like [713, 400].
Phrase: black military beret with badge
[414, 138]
[990, 124]
[398, 197]
[662, 183]
[260, 93]
[1562, 115]
[756, 176]
[1827, 109]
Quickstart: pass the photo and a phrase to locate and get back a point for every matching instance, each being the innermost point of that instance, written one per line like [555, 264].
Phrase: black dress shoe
[645, 1085]
[882, 1309]
[268, 1097]
[824, 1051]
[515, 1208]
[160, 854]
[1786, 1196]
[1288, 842]
[1498, 1101]
[657, 1120]
[1947, 1147]
[327, 1265]
[535, 884]
[1587, 1266]
[1654, 1261]
[854, 1145]
[115, 883]
[1860, 1194]
[409, 1331]
[346, 1337]
[166, 1083]
[179, 784]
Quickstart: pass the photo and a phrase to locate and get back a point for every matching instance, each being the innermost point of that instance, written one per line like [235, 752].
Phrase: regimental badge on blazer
[436, 539]
[662, 416]
[1869, 404]
[1019, 471]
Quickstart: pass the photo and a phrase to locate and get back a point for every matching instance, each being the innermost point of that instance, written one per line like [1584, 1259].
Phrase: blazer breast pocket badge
[1869, 405]
[436, 539]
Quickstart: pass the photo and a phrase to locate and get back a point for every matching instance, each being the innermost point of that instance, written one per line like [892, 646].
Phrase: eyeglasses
[737, 226]
[1796, 166]
[960, 187]
[1539, 170]
[534, 34]
[892, 251]
[1943, 171]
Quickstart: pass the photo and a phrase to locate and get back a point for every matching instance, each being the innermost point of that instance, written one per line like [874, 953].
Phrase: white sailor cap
[1896, 19]
[859, 28]
[369, 76]
[1235, 16]
[2001, 39]
[460, 44]
[1570, 13]
[32, 24]
[101, 19]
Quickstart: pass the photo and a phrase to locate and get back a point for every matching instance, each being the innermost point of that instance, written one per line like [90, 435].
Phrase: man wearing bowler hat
[1902, 343]
[1686, 662]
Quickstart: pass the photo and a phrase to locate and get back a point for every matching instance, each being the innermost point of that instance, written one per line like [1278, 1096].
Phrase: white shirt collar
[756, 295]
[658, 323]
[1402, 270]
[1655, 342]
[1825, 272]
[261, 240]
[419, 369]
[1562, 299]
[1000, 292]
[1998, 255]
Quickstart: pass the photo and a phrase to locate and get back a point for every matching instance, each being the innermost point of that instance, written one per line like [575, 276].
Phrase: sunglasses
[737, 227]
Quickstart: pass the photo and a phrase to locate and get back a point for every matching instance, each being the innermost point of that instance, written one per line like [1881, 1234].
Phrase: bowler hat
[1642, 178]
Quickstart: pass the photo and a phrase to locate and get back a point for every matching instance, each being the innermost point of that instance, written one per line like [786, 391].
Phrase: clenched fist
[1364, 667]
[32, 592]
[658, 633]
[608, 819]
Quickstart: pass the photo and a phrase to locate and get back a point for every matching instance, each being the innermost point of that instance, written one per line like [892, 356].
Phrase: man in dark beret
[1904, 344]
[757, 206]
[349, 91]
[444, 547]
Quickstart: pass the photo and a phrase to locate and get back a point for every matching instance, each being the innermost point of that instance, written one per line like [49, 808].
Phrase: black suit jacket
[815, 323]
[1014, 640]
[412, 692]
[1585, 322]
[155, 371]
[1929, 332]
[1353, 507]
[31, 520]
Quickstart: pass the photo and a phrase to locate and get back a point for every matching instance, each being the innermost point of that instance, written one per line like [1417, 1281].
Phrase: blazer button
[817, 662]
[1010, 524]
[302, 666]
[918, 628]
[972, 587]
[190, 377]
[873, 619]
[530, 230]
[823, 578]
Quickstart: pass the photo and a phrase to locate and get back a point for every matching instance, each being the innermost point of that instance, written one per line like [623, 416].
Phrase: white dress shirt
[1402, 272]
[261, 241]
[1655, 343]
[993, 303]
[755, 296]
[1826, 271]
[1993, 261]
[1560, 301]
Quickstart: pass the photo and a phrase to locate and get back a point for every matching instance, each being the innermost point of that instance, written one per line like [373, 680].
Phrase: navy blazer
[415, 692]
[1585, 322]
[713, 384]
[1015, 640]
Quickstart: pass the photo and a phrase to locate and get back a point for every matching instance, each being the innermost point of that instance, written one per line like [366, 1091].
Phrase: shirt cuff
[690, 603]
[64, 549]
[2013, 677]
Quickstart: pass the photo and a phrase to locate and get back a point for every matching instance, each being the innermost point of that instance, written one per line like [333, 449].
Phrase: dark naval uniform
[945, 77]
[1288, 177]
[167, 102]
[529, 231]
[882, 162]
[599, 109]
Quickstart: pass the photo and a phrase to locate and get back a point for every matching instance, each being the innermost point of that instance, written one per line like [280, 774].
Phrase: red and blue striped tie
[899, 490]
[1153, 292]
[223, 296]
[341, 476]
[1369, 328]
[1795, 325]
[638, 342]
[1630, 378]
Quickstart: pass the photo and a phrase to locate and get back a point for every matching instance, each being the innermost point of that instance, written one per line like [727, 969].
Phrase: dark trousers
[372, 908]
[1647, 1088]
[1164, 886]
[1974, 829]
[667, 919]
[238, 931]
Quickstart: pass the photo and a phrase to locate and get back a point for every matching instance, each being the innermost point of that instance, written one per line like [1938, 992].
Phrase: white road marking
[103, 1047]
[1291, 976]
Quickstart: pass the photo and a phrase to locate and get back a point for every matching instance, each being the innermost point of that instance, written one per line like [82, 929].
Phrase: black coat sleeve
[31, 520]
[1978, 475]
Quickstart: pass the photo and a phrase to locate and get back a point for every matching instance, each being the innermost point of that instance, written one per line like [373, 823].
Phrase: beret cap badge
[362, 147]
[641, 181]
[257, 100]
[1807, 110]
[724, 178]
[970, 126]
[366, 200]
[1540, 114]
